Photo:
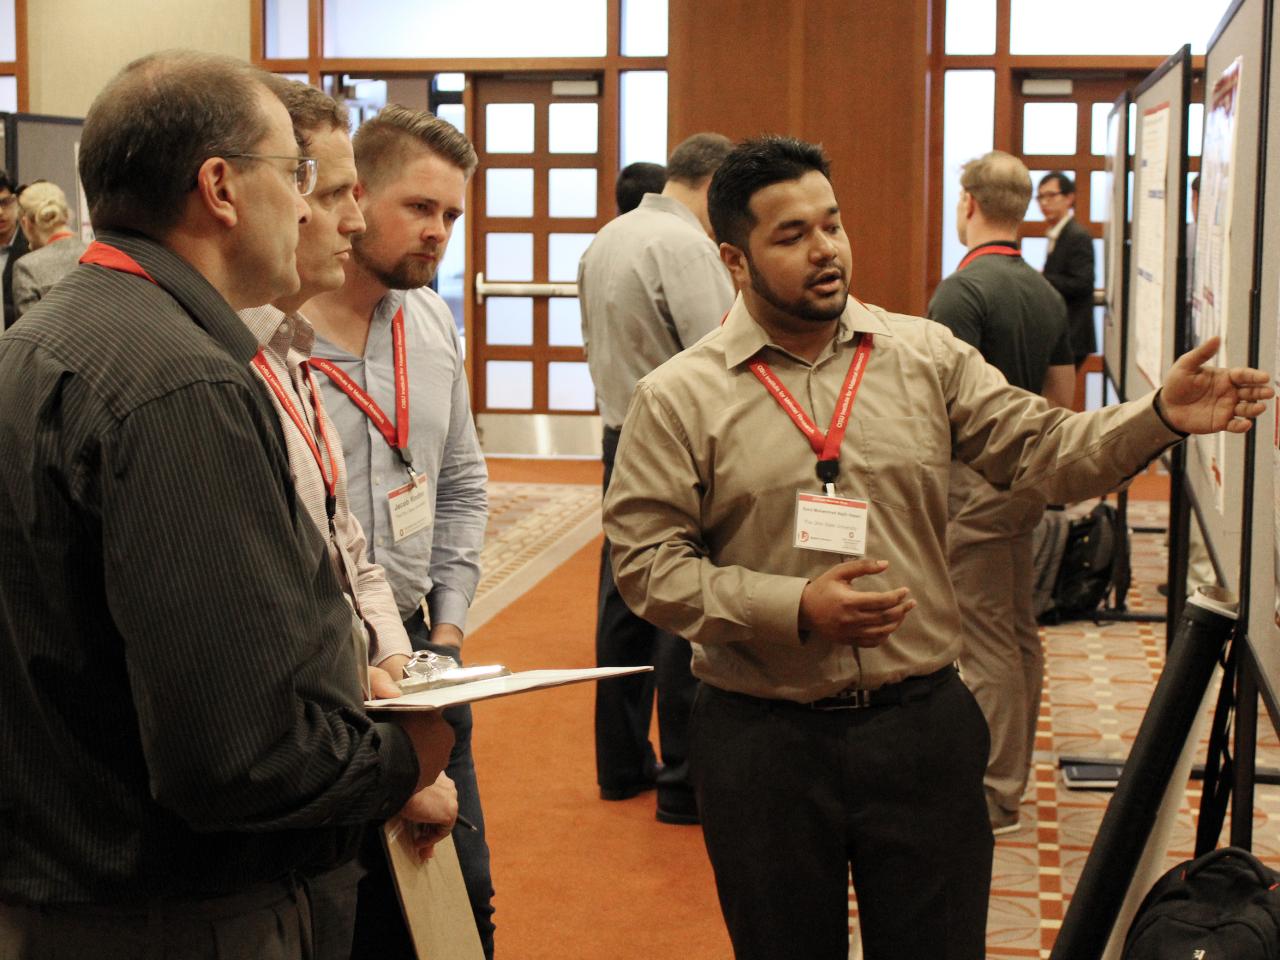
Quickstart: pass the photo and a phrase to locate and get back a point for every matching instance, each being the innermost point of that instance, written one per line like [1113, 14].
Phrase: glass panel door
[537, 204]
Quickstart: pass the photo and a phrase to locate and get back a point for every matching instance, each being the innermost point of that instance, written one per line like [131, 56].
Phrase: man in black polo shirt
[1002, 306]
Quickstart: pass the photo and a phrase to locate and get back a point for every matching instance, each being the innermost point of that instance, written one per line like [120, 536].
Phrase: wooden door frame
[608, 68]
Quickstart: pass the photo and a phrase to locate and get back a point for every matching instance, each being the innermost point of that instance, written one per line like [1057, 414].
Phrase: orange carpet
[576, 877]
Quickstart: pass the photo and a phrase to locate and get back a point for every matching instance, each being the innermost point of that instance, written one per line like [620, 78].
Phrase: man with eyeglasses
[1069, 265]
[180, 711]
[13, 242]
[285, 339]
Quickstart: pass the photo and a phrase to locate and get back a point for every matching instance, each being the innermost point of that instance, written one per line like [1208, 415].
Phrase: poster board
[1115, 244]
[1157, 239]
[39, 147]
[1221, 264]
[1264, 540]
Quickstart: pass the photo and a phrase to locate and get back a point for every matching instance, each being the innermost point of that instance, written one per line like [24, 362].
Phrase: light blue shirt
[442, 561]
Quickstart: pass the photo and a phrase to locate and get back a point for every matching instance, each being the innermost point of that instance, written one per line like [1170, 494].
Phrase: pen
[466, 824]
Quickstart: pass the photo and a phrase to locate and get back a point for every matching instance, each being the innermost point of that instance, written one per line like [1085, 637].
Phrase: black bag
[1222, 906]
[1095, 562]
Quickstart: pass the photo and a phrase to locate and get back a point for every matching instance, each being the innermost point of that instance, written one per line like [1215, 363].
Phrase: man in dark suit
[1069, 266]
[13, 242]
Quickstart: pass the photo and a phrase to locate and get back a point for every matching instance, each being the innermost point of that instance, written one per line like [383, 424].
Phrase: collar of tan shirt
[742, 337]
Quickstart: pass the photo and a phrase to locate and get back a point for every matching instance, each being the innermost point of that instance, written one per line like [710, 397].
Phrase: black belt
[890, 695]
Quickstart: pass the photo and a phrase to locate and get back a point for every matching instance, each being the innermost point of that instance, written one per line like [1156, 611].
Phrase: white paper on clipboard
[517, 682]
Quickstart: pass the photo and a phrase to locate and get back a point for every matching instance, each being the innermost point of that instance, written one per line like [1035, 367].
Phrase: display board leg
[1203, 629]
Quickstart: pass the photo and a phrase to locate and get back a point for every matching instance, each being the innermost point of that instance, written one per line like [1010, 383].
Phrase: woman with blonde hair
[55, 248]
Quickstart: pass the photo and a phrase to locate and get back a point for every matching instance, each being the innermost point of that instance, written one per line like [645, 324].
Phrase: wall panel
[852, 74]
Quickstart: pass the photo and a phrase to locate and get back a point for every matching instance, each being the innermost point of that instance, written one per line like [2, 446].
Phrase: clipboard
[476, 690]
[433, 897]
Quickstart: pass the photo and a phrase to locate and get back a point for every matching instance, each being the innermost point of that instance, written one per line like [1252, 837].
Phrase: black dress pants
[624, 705]
[791, 798]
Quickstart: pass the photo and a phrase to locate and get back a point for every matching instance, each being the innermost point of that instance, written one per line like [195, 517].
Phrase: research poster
[1114, 235]
[1149, 193]
[1212, 264]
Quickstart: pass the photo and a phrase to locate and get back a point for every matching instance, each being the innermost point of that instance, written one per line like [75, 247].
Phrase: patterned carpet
[533, 528]
[1099, 678]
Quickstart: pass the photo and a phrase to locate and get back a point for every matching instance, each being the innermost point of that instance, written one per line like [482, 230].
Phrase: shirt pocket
[898, 462]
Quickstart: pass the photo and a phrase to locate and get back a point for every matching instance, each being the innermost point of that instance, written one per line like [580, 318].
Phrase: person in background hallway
[180, 715]
[1069, 265]
[55, 248]
[650, 285]
[13, 243]
[831, 730]
[1018, 322]
[634, 181]
[418, 482]
[285, 339]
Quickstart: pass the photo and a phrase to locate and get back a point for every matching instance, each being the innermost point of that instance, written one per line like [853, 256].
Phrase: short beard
[405, 274]
[800, 309]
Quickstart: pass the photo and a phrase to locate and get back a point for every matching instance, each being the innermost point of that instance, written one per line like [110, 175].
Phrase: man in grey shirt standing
[650, 285]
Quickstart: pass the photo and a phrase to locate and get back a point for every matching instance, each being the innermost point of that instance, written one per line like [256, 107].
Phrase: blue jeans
[473, 850]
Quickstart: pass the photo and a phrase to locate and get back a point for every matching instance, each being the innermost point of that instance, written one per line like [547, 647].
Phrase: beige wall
[76, 46]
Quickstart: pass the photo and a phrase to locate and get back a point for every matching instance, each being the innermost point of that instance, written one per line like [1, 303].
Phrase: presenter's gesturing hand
[1198, 398]
[832, 610]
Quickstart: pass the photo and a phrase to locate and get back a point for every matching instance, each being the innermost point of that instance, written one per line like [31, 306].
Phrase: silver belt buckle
[850, 700]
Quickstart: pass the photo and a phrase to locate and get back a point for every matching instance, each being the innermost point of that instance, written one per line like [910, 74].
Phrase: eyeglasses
[304, 174]
[1046, 194]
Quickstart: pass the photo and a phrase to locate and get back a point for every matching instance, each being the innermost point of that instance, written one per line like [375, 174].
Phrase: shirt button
[377, 478]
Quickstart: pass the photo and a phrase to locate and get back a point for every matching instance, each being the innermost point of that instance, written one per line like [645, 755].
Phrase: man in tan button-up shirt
[831, 729]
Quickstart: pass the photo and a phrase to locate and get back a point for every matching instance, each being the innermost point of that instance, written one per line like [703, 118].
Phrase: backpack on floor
[1095, 562]
[1222, 906]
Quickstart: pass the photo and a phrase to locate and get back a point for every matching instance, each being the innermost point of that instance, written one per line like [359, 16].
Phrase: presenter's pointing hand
[831, 609]
[1199, 398]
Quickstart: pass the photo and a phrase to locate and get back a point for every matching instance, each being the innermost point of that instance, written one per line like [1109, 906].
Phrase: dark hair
[635, 180]
[383, 144]
[7, 183]
[749, 168]
[1195, 183]
[310, 110]
[1066, 185]
[697, 158]
[154, 124]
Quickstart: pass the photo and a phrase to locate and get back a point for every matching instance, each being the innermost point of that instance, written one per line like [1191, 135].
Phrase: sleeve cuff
[448, 606]
[398, 768]
[775, 609]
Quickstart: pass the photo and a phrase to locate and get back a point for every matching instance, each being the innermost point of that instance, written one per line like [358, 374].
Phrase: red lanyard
[827, 446]
[977, 252]
[60, 235]
[330, 480]
[104, 255]
[396, 434]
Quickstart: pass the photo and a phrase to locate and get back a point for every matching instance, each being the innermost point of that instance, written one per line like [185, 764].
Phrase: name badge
[410, 508]
[833, 524]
